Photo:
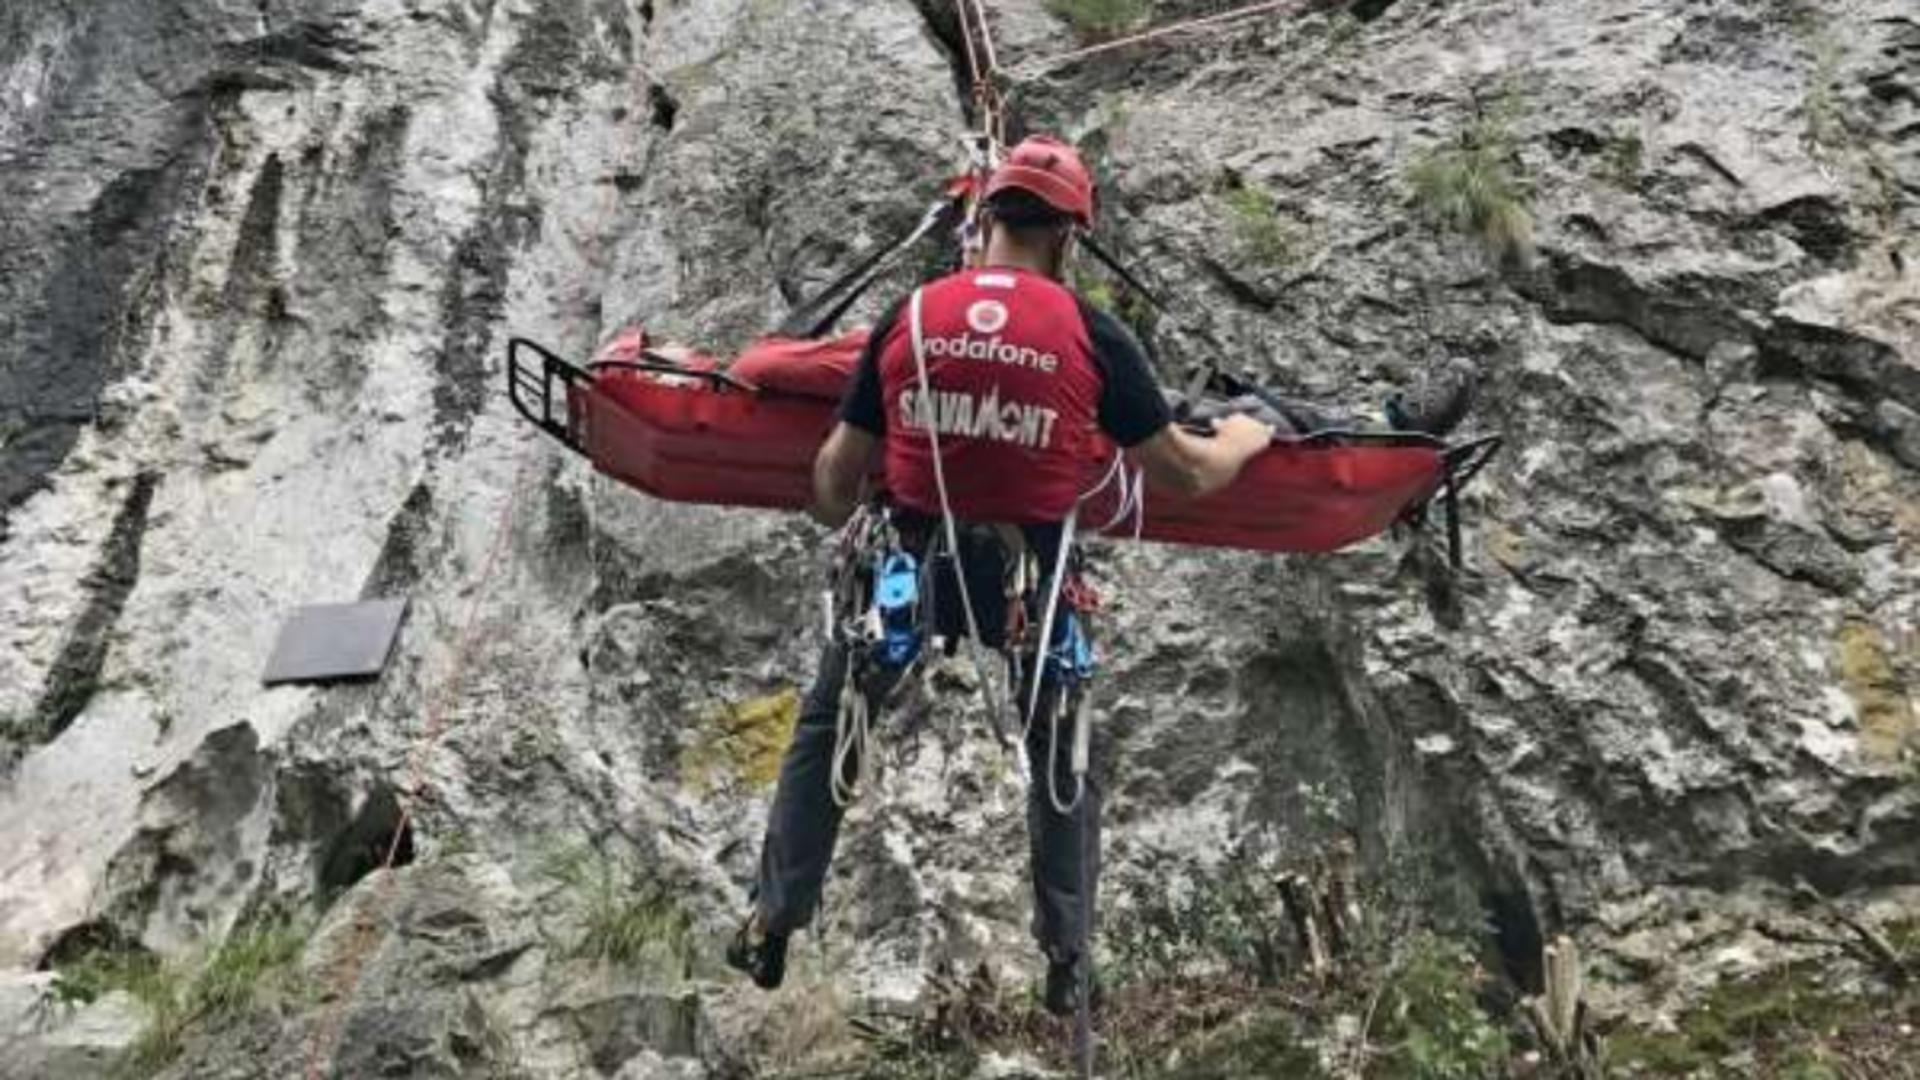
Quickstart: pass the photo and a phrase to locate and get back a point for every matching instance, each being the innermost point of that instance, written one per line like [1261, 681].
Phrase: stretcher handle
[658, 365]
[531, 388]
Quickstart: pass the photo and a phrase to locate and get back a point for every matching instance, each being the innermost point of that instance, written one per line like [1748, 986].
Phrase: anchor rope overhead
[1028, 69]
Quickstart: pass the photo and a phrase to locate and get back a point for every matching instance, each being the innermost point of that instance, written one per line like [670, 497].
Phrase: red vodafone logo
[987, 316]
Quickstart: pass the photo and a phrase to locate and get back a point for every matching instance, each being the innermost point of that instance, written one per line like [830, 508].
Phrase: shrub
[1431, 1018]
[1100, 18]
[1184, 921]
[1471, 186]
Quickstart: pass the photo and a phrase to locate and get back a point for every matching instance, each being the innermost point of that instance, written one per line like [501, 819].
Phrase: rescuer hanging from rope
[983, 464]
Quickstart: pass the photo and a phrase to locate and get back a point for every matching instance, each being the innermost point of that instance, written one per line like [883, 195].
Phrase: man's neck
[1005, 256]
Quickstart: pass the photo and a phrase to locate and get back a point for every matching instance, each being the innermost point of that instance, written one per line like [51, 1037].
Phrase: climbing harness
[1066, 667]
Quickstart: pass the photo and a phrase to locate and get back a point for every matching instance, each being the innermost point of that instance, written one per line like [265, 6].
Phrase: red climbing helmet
[1050, 170]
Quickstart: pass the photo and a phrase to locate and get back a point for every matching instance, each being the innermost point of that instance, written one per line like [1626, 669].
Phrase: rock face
[258, 263]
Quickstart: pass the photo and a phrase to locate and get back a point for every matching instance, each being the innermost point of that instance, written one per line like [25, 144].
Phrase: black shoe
[1062, 996]
[764, 960]
[1440, 405]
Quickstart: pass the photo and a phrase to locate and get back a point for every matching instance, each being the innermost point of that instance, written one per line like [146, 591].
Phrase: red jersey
[1020, 374]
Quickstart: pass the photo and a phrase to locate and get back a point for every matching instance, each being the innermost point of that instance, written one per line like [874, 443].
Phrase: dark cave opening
[1517, 935]
[662, 110]
[89, 939]
[1369, 10]
[378, 831]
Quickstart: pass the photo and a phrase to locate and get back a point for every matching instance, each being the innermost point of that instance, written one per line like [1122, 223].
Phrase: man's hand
[1184, 463]
[1243, 434]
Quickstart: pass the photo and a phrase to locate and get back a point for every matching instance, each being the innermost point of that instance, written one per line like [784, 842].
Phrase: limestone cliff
[258, 263]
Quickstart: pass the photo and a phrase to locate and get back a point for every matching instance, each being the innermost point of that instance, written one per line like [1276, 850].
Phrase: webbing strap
[1207, 374]
[1120, 271]
[851, 734]
[809, 321]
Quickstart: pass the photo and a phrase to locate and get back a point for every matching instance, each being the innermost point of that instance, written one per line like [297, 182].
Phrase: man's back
[1020, 373]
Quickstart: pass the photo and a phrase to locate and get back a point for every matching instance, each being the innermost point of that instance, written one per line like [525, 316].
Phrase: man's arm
[1134, 414]
[838, 471]
[846, 457]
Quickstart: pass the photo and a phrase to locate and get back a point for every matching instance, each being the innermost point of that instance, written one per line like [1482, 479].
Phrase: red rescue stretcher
[676, 425]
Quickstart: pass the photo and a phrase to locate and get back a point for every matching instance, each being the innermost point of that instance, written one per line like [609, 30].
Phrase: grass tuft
[231, 982]
[1826, 134]
[1624, 159]
[1093, 288]
[26, 731]
[1259, 232]
[1786, 1014]
[1471, 185]
[623, 917]
[245, 966]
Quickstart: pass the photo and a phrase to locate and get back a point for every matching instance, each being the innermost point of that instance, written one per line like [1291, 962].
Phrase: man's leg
[1065, 846]
[804, 821]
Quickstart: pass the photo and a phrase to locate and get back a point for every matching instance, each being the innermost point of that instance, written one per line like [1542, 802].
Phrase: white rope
[1055, 587]
[850, 732]
[927, 423]
[1044, 654]
[1139, 502]
[1117, 469]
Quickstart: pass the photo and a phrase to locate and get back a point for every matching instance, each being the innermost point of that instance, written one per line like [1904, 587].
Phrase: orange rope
[966, 39]
[983, 66]
[986, 37]
[1030, 68]
[320, 1051]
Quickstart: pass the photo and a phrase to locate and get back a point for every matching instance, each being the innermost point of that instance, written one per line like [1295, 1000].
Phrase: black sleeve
[1132, 409]
[862, 406]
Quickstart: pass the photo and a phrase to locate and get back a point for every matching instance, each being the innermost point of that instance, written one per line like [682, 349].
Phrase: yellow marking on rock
[743, 742]
[1887, 723]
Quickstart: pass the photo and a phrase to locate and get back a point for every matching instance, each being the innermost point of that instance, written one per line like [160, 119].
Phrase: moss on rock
[741, 743]
[1886, 714]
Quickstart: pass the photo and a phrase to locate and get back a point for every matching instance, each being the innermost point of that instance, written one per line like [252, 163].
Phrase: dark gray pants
[804, 821]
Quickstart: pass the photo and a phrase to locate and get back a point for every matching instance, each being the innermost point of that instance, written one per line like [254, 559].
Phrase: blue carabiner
[1072, 659]
[896, 592]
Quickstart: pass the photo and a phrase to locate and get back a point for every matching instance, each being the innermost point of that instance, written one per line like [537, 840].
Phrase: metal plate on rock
[324, 642]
